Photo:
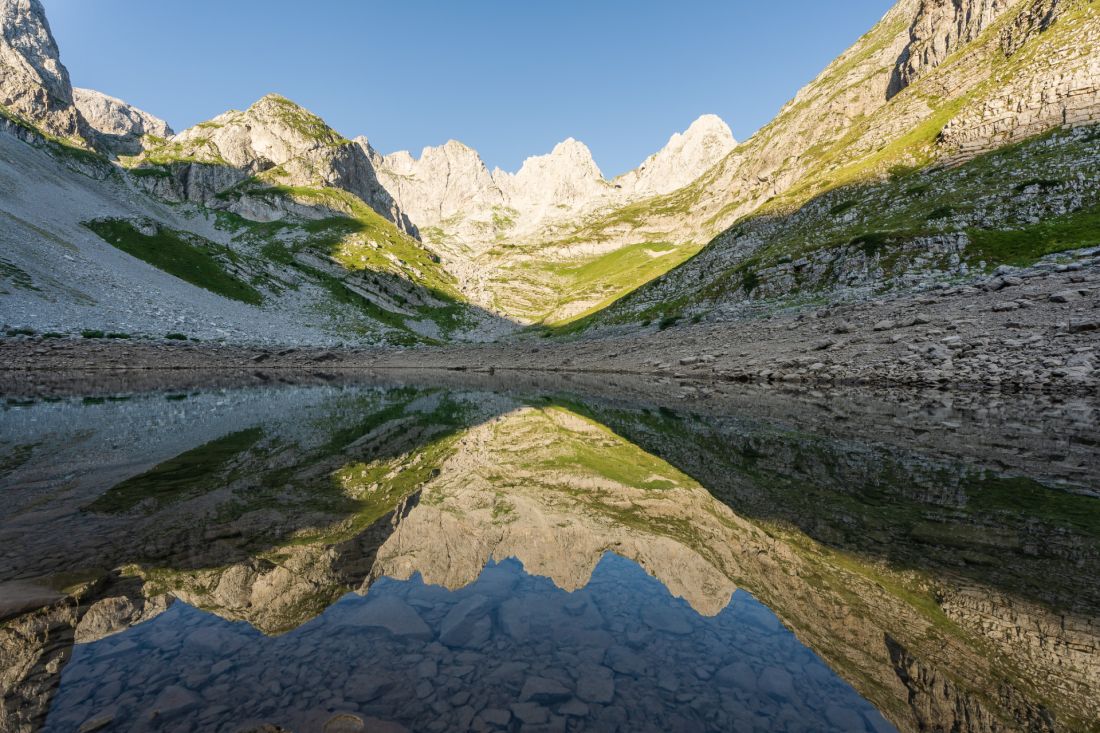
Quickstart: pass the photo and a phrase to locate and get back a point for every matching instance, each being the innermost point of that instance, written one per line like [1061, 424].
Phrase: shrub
[176, 337]
[92, 334]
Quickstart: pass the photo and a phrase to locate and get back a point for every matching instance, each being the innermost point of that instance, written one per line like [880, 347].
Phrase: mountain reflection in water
[450, 559]
[619, 653]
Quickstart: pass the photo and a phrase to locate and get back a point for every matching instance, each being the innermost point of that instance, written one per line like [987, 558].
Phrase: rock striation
[34, 84]
[940, 28]
[119, 126]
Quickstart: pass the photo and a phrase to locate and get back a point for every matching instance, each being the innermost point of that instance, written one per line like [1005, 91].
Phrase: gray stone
[595, 684]
[467, 624]
[496, 716]
[574, 709]
[739, 675]
[544, 690]
[665, 618]
[624, 661]
[173, 701]
[776, 681]
[530, 712]
[389, 613]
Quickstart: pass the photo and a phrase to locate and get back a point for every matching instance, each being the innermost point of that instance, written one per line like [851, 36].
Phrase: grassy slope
[984, 198]
[351, 234]
[188, 257]
[845, 162]
[544, 291]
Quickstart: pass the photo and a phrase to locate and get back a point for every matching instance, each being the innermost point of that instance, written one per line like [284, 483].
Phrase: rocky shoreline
[1034, 330]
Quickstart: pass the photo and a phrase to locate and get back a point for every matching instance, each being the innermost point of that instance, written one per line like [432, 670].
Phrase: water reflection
[509, 649]
[951, 592]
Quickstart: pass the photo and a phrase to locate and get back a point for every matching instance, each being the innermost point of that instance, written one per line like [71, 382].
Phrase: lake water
[392, 557]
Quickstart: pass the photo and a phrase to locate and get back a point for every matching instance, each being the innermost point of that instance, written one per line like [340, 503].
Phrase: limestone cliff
[275, 141]
[34, 84]
[120, 127]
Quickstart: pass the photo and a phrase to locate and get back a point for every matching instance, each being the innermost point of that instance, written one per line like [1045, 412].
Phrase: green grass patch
[188, 257]
[1025, 245]
[198, 471]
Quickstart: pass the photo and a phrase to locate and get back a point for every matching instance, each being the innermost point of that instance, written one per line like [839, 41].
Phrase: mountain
[500, 232]
[34, 85]
[119, 127]
[837, 185]
[274, 140]
[951, 139]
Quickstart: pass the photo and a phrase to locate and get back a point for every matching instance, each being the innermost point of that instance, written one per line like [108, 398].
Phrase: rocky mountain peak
[448, 181]
[683, 159]
[569, 157]
[119, 126]
[271, 132]
[34, 84]
[563, 181]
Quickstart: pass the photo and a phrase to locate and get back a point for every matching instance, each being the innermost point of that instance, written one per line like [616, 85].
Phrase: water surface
[462, 558]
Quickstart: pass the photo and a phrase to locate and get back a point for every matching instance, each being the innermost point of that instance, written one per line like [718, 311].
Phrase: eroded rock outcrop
[275, 139]
[34, 84]
[450, 189]
[684, 158]
[120, 127]
[941, 28]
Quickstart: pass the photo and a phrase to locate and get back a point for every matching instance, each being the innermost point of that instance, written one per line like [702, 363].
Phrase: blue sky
[510, 78]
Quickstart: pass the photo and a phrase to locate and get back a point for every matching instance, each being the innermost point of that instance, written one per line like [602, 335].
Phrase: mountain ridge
[932, 84]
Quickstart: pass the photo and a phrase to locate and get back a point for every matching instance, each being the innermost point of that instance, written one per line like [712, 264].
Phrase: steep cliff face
[120, 127]
[447, 184]
[34, 84]
[274, 140]
[941, 28]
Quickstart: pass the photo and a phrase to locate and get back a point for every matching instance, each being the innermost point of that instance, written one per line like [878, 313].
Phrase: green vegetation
[74, 150]
[186, 256]
[197, 471]
[175, 336]
[1024, 245]
[16, 276]
[369, 254]
[93, 334]
[305, 122]
[980, 199]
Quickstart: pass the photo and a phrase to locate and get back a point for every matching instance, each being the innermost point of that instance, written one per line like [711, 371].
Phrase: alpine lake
[501, 554]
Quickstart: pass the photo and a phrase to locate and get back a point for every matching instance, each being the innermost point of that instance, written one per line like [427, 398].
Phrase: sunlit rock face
[34, 84]
[121, 127]
[556, 491]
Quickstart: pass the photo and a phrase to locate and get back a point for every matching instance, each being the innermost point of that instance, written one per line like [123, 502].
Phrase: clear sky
[508, 77]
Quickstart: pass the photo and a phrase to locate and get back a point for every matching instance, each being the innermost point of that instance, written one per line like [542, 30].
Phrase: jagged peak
[150, 123]
[709, 124]
[685, 157]
[34, 84]
[569, 153]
